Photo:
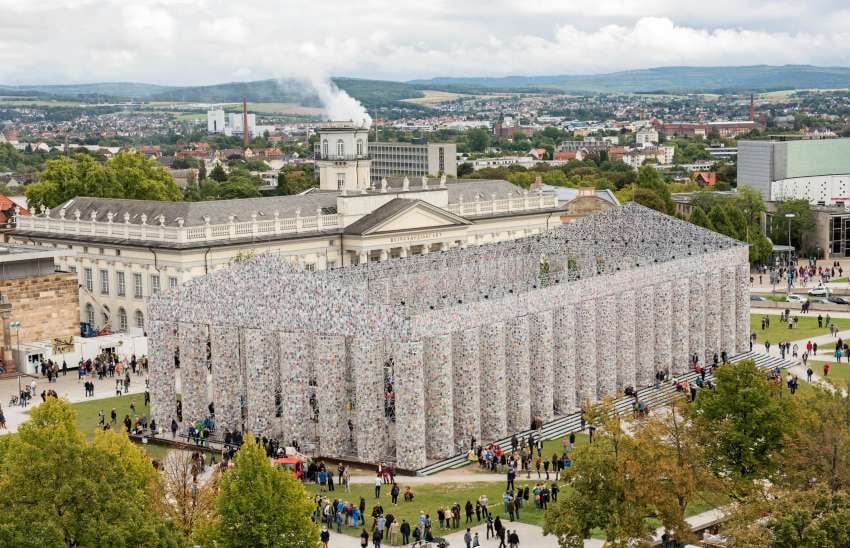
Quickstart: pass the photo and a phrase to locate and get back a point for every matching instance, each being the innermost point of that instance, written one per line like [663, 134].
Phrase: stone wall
[47, 306]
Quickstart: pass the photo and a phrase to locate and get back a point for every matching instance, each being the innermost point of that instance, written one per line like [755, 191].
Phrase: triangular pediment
[401, 214]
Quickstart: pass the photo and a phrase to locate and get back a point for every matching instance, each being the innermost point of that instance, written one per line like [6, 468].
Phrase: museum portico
[409, 359]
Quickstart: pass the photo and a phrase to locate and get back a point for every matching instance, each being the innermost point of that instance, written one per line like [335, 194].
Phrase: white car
[795, 299]
[819, 290]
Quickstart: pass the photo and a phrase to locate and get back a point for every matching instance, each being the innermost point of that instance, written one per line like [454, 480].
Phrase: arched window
[122, 319]
[90, 314]
[360, 147]
[105, 318]
[325, 148]
[340, 148]
[140, 319]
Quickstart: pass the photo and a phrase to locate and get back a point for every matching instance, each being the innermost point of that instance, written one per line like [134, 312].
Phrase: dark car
[837, 299]
[757, 298]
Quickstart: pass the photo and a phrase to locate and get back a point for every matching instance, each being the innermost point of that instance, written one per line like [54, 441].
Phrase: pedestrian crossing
[650, 395]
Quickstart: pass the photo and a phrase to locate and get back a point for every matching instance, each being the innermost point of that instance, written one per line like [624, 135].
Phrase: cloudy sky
[209, 41]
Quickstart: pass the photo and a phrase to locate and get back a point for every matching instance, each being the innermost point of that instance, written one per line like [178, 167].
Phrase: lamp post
[789, 216]
[16, 325]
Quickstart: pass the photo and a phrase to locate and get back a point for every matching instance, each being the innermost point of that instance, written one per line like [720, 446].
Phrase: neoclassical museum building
[410, 358]
[125, 251]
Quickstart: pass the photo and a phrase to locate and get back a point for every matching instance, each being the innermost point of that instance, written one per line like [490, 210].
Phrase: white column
[193, 371]
[439, 402]
[332, 395]
[680, 304]
[742, 308]
[663, 327]
[296, 369]
[542, 353]
[517, 368]
[410, 406]
[696, 337]
[384, 255]
[606, 347]
[466, 347]
[565, 360]
[494, 422]
[586, 364]
[364, 257]
[367, 360]
[645, 318]
[728, 320]
[627, 344]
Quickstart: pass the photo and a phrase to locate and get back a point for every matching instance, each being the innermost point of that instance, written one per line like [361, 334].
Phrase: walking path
[68, 386]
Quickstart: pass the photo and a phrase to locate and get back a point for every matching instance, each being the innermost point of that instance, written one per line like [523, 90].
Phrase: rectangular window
[89, 282]
[121, 284]
[104, 282]
[154, 284]
[340, 181]
[137, 285]
[172, 282]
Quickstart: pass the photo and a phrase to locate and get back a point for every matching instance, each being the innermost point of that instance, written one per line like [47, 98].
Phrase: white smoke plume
[339, 105]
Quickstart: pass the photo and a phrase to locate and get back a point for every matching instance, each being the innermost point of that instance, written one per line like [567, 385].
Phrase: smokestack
[752, 108]
[246, 138]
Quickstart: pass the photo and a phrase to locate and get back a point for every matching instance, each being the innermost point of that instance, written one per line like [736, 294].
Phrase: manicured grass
[430, 496]
[806, 328]
[839, 373]
[840, 280]
[87, 417]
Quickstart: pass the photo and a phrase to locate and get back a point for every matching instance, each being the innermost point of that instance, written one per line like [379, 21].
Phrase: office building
[417, 159]
[814, 170]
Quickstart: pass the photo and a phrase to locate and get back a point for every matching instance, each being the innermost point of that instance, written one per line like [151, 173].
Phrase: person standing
[513, 539]
[405, 532]
[467, 538]
[378, 483]
[325, 537]
[394, 493]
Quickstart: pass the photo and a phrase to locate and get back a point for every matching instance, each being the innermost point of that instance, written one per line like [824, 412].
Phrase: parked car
[795, 299]
[838, 299]
[819, 290]
[758, 298]
[820, 300]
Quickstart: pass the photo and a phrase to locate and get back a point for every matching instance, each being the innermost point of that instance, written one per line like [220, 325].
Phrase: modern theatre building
[411, 358]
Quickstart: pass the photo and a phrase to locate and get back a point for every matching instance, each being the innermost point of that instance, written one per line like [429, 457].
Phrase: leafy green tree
[478, 139]
[464, 169]
[760, 247]
[750, 203]
[218, 174]
[649, 198]
[648, 177]
[601, 490]
[62, 491]
[261, 505]
[126, 175]
[743, 423]
[802, 224]
[721, 223]
[700, 218]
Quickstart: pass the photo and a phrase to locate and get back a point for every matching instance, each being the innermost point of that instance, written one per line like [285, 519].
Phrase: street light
[789, 216]
[16, 325]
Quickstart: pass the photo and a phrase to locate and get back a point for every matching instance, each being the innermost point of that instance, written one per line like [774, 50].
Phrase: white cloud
[207, 41]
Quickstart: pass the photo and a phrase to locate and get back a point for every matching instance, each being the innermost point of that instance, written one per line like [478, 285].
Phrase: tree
[57, 488]
[190, 505]
[601, 493]
[721, 222]
[750, 203]
[478, 139]
[464, 169]
[820, 447]
[813, 518]
[742, 422]
[700, 218]
[760, 247]
[261, 505]
[127, 175]
[802, 224]
[666, 449]
[649, 198]
[218, 174]
[648, 177]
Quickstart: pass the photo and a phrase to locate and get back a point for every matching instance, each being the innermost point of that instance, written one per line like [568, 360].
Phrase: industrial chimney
[246, 137]
[752, 108]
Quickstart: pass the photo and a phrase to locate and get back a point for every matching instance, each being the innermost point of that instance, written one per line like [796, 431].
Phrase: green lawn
[840, 280]
[87, 417]
[839, 374]
[430, 496]
[806, 328]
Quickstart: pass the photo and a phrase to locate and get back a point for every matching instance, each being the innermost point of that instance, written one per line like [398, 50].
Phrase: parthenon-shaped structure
[410, 359]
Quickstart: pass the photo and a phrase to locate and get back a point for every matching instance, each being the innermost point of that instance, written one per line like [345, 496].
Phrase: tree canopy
[64, 491]
[261, 505]
[127, 175]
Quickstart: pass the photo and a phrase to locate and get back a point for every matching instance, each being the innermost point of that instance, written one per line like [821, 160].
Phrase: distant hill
[757, 78]
[372, 93]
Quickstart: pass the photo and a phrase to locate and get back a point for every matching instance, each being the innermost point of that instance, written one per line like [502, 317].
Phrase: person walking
[378, 483]
[513, 539]
[809, 374]
[325, 537]
[467, 538]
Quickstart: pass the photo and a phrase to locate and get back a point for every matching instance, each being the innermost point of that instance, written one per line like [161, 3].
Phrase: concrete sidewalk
[68, 387]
